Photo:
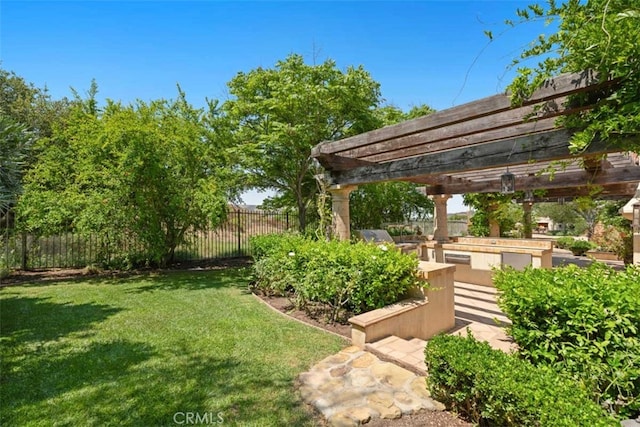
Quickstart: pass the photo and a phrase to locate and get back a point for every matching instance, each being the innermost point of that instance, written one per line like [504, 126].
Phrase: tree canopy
[599, 35]
[278, 114]
[145, 173]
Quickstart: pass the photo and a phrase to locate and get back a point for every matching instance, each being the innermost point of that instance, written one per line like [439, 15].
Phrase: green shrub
[580, 321]
[339, 275]
[580, 247]
[274, 243]
[564, 242]
[493, 388]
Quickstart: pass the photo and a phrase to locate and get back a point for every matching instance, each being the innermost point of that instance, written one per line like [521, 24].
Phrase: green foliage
[30, 106]
[279, 114]
[15, 143]
[490, 207]
[580, 247]
[567, 215]
[599, 35]
[493, 388]
[564, 242]
[583, 322]
[616, 236]
[146, 173]
[372, 205]
[338, 275]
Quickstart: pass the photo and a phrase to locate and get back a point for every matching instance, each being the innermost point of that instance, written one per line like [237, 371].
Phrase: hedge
[339, 275]
[583, 322]
[492, 388]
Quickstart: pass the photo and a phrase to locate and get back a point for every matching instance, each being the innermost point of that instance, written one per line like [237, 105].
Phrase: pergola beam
[552, 90]
[547, 146]
[629, 174]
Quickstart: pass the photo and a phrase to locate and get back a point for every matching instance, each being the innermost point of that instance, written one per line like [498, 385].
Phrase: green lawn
[146, 351]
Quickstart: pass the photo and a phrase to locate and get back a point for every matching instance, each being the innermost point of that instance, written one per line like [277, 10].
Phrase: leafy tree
[280, 113]
[565, 214]
[15, 143]
[600, 35]
[492, 207]
[388, 202]
[26, 113]
[28, 105]
[137, 173]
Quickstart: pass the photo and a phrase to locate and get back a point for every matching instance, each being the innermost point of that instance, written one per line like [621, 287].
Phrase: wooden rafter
[466, 148]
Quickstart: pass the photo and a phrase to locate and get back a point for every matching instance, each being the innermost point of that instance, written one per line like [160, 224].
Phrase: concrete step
[406, 353]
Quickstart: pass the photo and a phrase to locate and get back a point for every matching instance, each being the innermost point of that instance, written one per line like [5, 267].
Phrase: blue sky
[426, 52]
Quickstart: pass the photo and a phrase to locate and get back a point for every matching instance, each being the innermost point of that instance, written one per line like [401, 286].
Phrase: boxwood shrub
[583, 322]
[339, 275]
[492, 388]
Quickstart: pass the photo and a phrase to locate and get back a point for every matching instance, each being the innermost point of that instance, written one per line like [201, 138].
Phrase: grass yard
[148, 350]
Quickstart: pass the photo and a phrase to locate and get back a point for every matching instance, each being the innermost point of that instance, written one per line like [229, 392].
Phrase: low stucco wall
[425, 313]
[476, 257]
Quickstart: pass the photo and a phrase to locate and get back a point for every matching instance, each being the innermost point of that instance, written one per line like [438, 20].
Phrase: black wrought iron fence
[71, 250]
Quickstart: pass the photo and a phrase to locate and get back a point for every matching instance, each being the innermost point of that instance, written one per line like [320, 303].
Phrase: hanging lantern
[507, 183]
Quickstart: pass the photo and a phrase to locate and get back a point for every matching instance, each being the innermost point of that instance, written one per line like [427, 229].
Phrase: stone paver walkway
[354, 386]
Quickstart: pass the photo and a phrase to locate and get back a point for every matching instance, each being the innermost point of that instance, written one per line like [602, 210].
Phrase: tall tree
[145, 172]
[30, 106]
[492, 207]
[372, 205]
[600, 35]
[15, 143]
[280, 113]
[26, 113]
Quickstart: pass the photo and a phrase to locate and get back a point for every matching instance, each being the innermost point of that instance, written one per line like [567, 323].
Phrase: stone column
[440, 230]
[528, 232]
[494, 227]
[340, 210]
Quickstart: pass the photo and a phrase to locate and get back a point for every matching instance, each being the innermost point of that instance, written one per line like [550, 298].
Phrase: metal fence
[71, 250]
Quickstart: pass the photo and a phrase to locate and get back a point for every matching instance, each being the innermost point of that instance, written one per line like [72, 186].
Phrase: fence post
[239, 240]
[287, 220]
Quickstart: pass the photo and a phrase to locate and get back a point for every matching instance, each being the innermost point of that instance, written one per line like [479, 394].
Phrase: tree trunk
[302, 216]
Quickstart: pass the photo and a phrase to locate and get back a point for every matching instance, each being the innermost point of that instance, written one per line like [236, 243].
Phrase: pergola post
[440, 230]
[494, 226]
[340, 210]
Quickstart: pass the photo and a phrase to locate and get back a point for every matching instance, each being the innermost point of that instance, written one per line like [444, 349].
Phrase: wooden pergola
[467, 149]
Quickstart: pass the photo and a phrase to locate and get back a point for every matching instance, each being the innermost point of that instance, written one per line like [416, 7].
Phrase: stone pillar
[440, 230]
[528, 233]
[494, 227]
[340, 210]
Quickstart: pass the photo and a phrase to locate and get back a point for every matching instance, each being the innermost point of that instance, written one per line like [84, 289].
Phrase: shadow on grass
[24, 319]
[53, 369]
[127, 384]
